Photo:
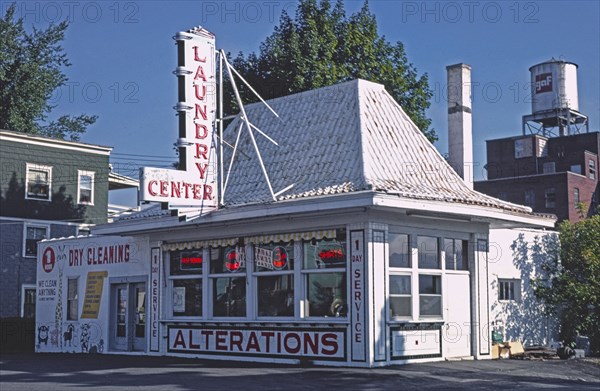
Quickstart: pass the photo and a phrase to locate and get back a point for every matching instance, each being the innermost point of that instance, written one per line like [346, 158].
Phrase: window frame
[80, 174]
[516, 293]
[213, 276]
[529, 198]
[198, 275]
[549, 167]
[576, 196]
[69, 315]
[550, 197]
[38, 167]
[257, 274]
[438, 252]
[408, 274]
[46, 236]
[592, 168]
[464, 258]
[440, 295]
[24, 289]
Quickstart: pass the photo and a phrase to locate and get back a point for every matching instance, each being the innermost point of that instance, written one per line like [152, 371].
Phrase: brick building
[550, 175]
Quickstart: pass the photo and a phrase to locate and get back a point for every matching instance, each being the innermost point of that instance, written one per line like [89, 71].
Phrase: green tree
[321, 46]
[30, 71]
[573, 291]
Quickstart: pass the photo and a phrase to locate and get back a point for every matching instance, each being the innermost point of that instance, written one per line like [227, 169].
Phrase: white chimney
[460, 125]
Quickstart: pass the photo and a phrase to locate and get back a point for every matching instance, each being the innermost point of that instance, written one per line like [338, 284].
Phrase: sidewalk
[48, 372]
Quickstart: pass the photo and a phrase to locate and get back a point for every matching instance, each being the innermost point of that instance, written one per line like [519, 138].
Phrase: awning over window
[274, 238]
[198, 244]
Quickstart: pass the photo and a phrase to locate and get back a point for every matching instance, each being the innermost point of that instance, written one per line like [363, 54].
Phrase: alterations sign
[194, 183]
[326, 343]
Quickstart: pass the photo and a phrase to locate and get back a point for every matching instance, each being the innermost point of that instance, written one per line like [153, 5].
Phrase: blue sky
[123, 57]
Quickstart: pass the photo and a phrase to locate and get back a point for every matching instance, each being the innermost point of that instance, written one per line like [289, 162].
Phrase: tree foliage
[573, 291]
[321, 46]
[30, 71]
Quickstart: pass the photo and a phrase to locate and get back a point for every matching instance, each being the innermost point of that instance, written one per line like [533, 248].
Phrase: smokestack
[460, 125]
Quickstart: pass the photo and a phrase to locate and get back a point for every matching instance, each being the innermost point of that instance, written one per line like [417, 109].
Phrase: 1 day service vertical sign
[357, 300]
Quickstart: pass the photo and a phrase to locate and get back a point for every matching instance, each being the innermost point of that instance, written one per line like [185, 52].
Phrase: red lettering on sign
[201, 151]
[221, 342]
[291, 348]
[201, 131]
[253, 343]
[179, 340]
[329, 341]
[235, 339]
[196, 58]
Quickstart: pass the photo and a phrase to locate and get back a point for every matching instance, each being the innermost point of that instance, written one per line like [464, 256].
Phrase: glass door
[128, 317]
[139, 316]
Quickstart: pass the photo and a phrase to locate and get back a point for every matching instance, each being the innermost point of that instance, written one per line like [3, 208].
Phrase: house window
[228, 279]
[324, 272]
[39, 182]
[455, 254]
[400, 296]
[549, 167]
[185, 276]
[592, 168]
[576, 198]
[509, 289]
[33, 234]
[85, 187]
[550, 196]
[430, 295]
[530, 198]
[576, 168]
[72, 298]
[28, 301]
[428, 252]
[274, 266]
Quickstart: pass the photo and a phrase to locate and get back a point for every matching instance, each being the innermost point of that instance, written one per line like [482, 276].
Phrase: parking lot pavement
[116, 372]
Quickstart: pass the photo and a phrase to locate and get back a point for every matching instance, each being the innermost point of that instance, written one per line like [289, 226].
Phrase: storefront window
[400, 296]
[324, 270]
[430, 295]
[326, 294]
[276, 295]
[186, 282]
[274, 266]
[229, 296]
[456, 252]
[186, 262]
[187, 297]
[399, 250]
[428, 252]
[228, 259]
[325, 254]
[279, 257]
[228, 292]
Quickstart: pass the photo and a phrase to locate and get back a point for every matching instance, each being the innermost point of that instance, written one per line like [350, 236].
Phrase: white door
[456, 332]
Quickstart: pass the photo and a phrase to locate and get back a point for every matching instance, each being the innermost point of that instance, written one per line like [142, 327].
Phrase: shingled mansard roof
[343, 138]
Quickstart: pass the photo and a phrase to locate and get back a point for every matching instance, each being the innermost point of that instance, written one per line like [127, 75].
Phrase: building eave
[24, 138]
[334, 204]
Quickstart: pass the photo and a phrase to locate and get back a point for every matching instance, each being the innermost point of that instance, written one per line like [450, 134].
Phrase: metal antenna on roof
[244, 117]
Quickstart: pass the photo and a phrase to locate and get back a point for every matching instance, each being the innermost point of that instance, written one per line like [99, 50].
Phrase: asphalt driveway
[30, 372]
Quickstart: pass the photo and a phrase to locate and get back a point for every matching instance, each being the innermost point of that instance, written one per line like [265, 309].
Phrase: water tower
[554, 100]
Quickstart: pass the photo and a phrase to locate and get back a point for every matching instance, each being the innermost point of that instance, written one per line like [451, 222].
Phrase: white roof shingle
[348, 137]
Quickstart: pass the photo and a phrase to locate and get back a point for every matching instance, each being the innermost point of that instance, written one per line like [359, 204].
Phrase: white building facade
[378, 253]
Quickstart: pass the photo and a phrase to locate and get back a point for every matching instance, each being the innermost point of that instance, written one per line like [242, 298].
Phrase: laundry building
[375, 252]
